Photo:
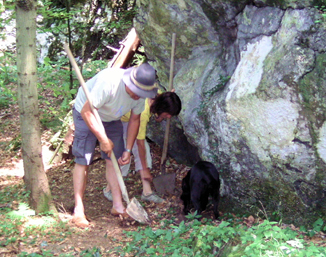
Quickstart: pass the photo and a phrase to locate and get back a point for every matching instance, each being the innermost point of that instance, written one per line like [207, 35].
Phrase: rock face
[252, 83]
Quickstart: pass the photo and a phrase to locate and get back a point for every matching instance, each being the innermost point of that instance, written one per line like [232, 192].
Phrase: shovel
[165, 183]
[134, 209]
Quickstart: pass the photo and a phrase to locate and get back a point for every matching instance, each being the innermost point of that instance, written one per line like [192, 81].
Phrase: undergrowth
[230, 237]
[54, 90]
[21, 228]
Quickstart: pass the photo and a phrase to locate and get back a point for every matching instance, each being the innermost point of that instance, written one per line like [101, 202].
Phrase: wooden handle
[172, 62]
[99, 121]
[83, 84]
[120, 179]
[167, 128]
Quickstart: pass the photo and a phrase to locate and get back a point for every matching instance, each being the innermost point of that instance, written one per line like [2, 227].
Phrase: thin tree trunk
[35, 177]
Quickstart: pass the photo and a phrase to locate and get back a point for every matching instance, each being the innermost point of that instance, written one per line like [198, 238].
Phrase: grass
[20, 226]
[233, 236]
[229, 238]
[22, 229]
[22, 233]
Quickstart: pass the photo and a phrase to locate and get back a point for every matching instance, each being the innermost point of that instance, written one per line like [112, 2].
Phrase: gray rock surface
[252, 83]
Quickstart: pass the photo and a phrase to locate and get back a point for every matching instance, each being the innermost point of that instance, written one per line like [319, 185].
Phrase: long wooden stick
[98, 119]
[167, 128]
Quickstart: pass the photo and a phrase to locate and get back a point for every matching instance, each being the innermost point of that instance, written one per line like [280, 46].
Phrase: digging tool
[165, 183]
[134, 209]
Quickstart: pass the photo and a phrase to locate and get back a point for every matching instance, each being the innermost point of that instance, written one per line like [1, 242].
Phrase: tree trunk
[35, 177]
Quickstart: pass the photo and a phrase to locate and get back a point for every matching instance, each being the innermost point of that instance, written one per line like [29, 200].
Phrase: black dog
[201, 181]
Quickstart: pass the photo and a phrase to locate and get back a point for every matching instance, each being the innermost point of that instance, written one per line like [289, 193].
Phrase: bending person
[114, 92]
[163, 106]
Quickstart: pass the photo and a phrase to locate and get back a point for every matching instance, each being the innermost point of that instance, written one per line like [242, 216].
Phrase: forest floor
[106, 231]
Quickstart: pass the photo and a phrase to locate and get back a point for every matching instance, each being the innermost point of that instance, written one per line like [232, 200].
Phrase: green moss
[44, 205]
[247, 21]
[159, 13]
[283, 4]
[312, 88]
[273, 197]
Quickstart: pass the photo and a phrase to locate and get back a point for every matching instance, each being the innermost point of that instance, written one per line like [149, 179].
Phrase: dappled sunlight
[23, 211]
[5, 139]
[15, 168]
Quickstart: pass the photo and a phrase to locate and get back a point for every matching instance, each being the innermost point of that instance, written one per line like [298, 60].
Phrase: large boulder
[252, 83]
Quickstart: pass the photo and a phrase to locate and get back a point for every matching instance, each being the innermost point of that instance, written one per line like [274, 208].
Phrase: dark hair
[166, 102]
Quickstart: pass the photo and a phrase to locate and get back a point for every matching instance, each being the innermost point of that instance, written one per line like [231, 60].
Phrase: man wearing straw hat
[114, 92]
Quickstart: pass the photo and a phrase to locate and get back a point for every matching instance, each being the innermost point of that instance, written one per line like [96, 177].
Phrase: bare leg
[114, 186]
[108, 188]
[148, 194]
[146, 177]
[80, 173]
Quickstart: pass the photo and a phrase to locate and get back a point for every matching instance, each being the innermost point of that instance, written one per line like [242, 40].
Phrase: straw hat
[141, 80]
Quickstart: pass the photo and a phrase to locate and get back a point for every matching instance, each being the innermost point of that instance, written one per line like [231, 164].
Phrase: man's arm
[106, 144]
[132, 131]
[145, 172]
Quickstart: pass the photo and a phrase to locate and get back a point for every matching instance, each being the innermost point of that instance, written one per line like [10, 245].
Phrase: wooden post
[127, 50]
[167, 128]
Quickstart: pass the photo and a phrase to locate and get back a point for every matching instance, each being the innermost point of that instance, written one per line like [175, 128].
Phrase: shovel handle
[95, 112]
[167, 128]
[120, 179]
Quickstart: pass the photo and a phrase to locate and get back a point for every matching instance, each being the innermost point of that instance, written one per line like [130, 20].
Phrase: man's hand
[107, 146]
[125, 158]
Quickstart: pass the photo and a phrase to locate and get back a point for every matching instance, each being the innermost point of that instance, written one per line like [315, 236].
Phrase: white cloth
[125, 168]
[108, 94]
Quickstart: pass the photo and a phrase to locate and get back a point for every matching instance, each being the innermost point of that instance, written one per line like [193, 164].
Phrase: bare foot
[80, 221]
[114, 212]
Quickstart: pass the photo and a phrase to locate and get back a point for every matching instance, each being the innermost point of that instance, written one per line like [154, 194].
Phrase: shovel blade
[137, 212]
[165, 183]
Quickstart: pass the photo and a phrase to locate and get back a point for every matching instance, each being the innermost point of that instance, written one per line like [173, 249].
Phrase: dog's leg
[199, 197]
[215, 192]
[185, 196]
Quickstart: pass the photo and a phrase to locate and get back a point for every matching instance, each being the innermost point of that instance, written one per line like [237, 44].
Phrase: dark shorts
[85, 141]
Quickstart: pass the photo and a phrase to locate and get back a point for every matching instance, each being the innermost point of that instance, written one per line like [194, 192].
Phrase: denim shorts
[85, 141]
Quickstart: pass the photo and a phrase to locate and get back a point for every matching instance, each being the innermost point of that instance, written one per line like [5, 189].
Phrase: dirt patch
[106, 231]
[106, 228]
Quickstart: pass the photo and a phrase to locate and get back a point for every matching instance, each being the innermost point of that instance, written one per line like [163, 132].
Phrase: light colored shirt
[109, 95]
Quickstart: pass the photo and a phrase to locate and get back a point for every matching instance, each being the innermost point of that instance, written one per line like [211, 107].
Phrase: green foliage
[5, 98]
[222, 82]
[229, 238]
[14, 144]
[49, 11]
[139, 57]
[202, 111]
[322, 9]
[54, 81]
[8, 77]
[317, 226]
[94, 252]
[90, 26]
[20, 225]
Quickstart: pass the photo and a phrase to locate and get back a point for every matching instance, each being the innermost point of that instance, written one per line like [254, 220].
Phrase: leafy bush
[20, 226]
[8, 77]
[229, 239]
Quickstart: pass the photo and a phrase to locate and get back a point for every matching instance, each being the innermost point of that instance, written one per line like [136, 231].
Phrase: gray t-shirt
[109, 96]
